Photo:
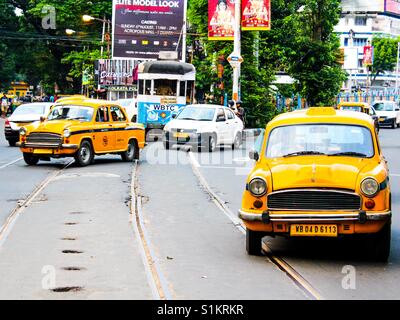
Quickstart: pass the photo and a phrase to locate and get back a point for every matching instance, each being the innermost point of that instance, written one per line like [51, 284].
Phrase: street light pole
[397, 67]
[236, 51]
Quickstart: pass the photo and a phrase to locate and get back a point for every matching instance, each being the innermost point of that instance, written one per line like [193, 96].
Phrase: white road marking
[194, 161]
[10, 163]
[87, 175]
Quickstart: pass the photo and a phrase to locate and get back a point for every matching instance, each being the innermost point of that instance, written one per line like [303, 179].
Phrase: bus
[164, 88]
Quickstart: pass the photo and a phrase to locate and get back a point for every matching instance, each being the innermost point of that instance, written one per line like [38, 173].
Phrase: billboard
[368, 59]
[256, 15]
[221, 19]
[116, 72]
[362, 5]
[392, 6]
[143, 28]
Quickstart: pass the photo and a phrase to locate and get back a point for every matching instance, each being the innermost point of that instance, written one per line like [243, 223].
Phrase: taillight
[7, 124]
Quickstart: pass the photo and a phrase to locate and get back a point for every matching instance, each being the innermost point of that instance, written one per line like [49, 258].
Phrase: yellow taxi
[82, 128]
[361, 107]
[319, 172]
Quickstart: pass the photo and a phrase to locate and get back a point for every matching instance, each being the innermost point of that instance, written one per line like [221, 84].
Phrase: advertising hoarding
[256, 15]
[392, 6]
[143, 28]
[363, 5]
[368, 59]
[221, 19]
[116, 72]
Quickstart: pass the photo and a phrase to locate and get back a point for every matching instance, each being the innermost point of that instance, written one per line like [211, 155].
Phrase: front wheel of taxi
[132, 153]
[84, 156]
[253, 242]
[379, 248]
[30, 159]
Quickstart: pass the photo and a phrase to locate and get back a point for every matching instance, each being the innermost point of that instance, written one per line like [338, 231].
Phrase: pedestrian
[241, 111]
[4, 105]
[51, 98]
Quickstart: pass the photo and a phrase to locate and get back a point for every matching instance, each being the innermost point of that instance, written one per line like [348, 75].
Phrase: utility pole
[397, 68]
[235, 59]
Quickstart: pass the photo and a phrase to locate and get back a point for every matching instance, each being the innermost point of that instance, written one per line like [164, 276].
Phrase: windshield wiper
[304, 153]
[204, 120]
[77, 118]
[186, 119]
[350, 154]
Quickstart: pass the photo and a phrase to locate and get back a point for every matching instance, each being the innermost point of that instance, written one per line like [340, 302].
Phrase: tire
[238, 141]
[379, 246]
[212, 143]
[12, 143]
[253, 242]
[84, 156]
[398, 125]
[394, 124]
[30, 159]
[131, 153]
[166, 145]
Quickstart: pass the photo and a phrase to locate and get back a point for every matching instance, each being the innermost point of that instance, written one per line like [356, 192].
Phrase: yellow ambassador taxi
[82, 128]
[320, 172]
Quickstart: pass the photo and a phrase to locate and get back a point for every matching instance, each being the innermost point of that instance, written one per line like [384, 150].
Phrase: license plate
[42, 151]
[381, 119]
[181, 135]
[314, 230]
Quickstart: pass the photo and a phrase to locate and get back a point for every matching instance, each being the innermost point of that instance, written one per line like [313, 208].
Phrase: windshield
[71, 113]
[30, 109]
[383, 106]
[351, 108]
[197, 113]
[320, 139]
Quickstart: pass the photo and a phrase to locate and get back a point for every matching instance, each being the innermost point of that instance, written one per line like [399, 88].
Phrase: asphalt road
[163, 229]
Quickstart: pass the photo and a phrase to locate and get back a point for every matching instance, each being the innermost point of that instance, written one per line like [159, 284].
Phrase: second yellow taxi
[319, 173]
[82, 128]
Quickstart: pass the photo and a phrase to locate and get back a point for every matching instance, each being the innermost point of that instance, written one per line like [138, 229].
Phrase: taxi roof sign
[321, 111]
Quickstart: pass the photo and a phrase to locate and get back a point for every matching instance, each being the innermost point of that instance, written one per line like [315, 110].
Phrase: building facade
[360, 21]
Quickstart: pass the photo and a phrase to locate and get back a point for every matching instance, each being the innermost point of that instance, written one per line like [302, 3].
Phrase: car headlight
[258, 187]
[23, 132]
[67, 133]
[369, 187]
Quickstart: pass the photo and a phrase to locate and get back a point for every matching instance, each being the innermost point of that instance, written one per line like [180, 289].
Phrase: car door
[232, 125]
[397, 110]
[222, 126]
[104, 136]
[119, 122]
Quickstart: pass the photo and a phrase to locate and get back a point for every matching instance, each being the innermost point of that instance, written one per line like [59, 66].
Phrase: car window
[102, 115]
[30, 109]
[381, 106]
[197, 114]
[372, 112]
[117, 115]
[326, 139]
[221, 113]
[71, 112]
[230, 114]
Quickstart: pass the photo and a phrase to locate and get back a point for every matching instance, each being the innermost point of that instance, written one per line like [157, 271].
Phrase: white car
[204, 126]
[130, 106]
[388, 113]
[23, 115]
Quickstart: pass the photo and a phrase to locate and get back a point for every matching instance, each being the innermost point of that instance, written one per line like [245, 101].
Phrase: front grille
[325, 200]
[44, 138]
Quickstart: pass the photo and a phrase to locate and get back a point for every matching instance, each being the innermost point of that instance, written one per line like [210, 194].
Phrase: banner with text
[256, 15]
[143, 28]
[116, 72]
[221, 19]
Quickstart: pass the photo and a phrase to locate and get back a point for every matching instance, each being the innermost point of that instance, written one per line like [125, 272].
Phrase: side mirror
[253, 155]
[174, 115]
[42, 119]
[397, 109]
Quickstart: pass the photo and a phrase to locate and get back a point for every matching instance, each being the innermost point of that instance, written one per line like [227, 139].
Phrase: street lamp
[88, 18]
[70, 32]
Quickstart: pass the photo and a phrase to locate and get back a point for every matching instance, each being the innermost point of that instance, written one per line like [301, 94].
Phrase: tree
[385, 55]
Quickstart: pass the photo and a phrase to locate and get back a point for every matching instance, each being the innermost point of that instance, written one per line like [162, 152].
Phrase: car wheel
[167, 145]
[379, 248]
[394, 124]
[84, 156]
[238, 141]
[131, 153]
[212, 143]
[12, 143]
[253, 242]
[30, 159]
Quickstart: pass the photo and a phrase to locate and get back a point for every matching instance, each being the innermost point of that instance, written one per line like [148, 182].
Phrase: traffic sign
[235, 60]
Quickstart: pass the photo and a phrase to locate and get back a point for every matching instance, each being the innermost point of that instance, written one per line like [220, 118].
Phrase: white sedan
[204, 126]
[130, 106]
[388, 113]
[23, 115]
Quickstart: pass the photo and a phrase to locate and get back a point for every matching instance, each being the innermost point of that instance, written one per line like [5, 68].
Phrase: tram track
[6, 228]
[298, 280]
[155, 277]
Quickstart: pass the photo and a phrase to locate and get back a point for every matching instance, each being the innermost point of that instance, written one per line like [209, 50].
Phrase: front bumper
[47, 146]
[193, 139]
[386, 121]
[361, 217]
